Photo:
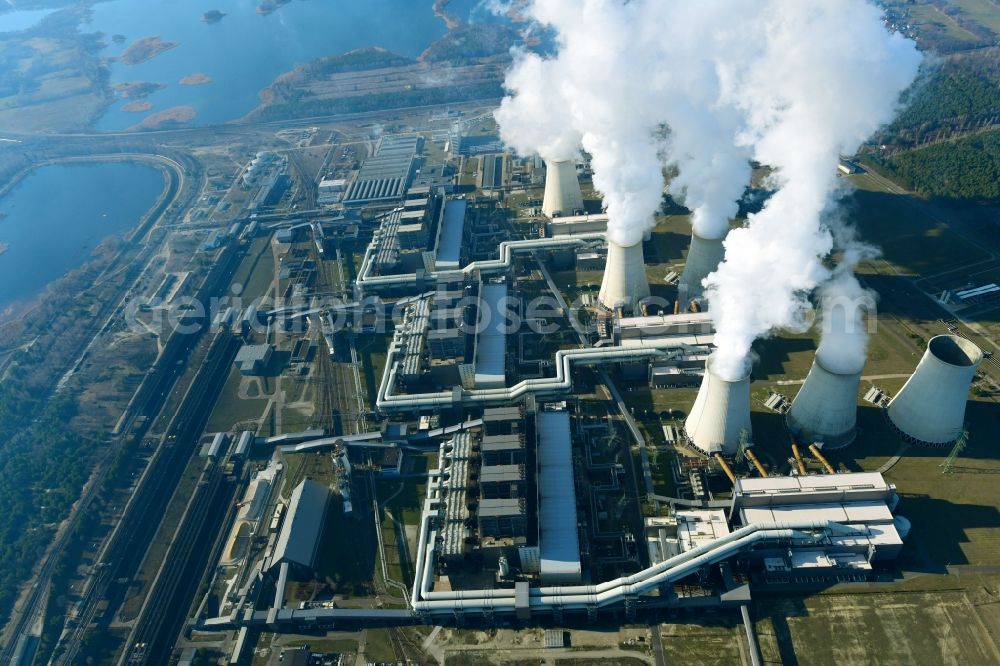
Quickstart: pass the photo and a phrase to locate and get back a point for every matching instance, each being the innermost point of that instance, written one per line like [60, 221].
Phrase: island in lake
[145, 48]
[4, 247]
[137, 106]
[195, 80]
[212, 16]
[137, 89]
[268, 6]
[176, 115]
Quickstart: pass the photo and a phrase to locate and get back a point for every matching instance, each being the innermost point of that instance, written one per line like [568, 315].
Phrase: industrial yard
[413, 386]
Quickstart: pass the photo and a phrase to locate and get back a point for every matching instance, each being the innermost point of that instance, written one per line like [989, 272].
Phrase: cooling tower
[624, 282]
[562, 189]
[826, 408]
[720, 414]
[930, 408]
[704, 256]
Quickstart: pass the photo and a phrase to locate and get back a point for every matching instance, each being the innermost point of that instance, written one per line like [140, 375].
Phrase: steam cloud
[790, 84]
[844, 304]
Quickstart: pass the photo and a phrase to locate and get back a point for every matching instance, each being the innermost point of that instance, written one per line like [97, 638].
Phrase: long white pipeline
[507, 251]
[583, 596]
[388, 400]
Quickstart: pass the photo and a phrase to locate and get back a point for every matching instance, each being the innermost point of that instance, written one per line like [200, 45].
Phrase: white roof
[558, 542]
[848, 513]
[810, 483]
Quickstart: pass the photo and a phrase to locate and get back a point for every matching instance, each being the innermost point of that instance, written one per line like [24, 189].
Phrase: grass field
[232, 408]
[984, 12]
[898, 628]
[702, 644]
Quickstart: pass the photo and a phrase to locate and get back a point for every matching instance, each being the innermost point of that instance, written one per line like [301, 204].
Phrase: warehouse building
[299, 539]
[254, 359]
[384, 176]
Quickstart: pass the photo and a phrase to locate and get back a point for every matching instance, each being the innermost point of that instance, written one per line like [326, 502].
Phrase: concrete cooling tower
[930, 408]
[704, 256]
[562, 189]
[624, 282]
[720, 414]
[826, 408]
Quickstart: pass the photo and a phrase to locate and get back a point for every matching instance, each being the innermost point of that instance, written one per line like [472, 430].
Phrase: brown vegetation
[145, 48]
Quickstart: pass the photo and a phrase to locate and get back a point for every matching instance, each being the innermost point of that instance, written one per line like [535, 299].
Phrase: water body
[21, 19]
[53, 219]
[245, 51]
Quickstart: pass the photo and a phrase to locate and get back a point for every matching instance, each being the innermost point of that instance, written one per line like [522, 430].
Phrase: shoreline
[18, 309]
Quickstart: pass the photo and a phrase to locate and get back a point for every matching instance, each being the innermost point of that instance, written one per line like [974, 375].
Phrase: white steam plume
[845, 304]
[826, 76]
[600, 88]
[790, 83]
[533, 118]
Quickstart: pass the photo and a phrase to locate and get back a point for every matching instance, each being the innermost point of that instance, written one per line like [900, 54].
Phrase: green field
[702, 643]
[984, 12]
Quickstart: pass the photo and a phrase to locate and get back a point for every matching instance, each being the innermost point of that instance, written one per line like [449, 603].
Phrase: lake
[52, 220]
[245, 51]
[21, 19]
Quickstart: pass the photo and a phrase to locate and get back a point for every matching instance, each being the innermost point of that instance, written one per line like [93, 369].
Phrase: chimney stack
[930, 408]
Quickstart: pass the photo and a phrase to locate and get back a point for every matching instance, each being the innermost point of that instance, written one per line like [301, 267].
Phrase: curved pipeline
[507, 250]
[610, 592]
[388, 400]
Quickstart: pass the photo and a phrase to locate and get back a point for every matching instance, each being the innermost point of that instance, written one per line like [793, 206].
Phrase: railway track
[128, 543]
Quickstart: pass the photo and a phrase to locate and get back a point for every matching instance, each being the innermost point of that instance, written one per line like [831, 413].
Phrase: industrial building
[491, 341]
[558, 540]
[385, 175]
[254, 359]
[448, 249]
[298, 541]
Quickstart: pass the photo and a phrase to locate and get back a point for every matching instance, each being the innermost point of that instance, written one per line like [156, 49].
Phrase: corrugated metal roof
[449, 250]
[491, 344]
[501, 507]
[500, 473]
[303, 525]
[502, 442]
[558, 541]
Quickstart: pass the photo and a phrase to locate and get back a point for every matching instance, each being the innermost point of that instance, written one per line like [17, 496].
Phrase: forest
[968, 168]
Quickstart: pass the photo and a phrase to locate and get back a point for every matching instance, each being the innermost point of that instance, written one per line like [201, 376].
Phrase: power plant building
[558, 541]
[491, 342]
[384, 176]
[861, 503]
[298, 541]
[450, 234]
